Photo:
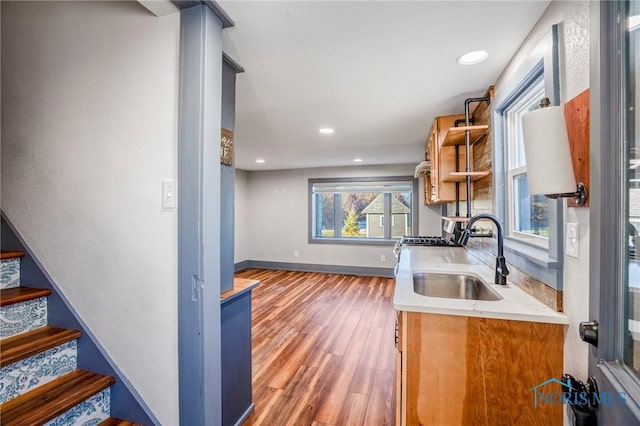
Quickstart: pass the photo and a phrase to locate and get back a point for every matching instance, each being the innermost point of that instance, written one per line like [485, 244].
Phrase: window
[528, 215]
[361, 210]
[533, 225]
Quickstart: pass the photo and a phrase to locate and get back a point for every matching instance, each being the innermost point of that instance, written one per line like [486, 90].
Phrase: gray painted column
[199, 217]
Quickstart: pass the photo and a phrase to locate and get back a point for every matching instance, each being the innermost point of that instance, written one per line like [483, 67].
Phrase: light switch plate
[169, 198]
[572, 245]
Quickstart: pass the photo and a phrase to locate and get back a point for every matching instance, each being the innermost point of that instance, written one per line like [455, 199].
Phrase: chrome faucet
[501, 263]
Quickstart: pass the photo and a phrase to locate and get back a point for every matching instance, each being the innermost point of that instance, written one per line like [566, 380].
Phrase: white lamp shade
[547, 152]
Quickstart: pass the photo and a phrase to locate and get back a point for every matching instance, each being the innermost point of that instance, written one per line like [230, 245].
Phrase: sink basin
[452, 286]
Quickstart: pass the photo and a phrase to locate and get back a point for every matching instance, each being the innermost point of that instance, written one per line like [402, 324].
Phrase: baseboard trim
[245, 415]
[362, 271]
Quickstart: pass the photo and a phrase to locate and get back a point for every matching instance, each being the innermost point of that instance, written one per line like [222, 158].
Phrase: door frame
[607, 164]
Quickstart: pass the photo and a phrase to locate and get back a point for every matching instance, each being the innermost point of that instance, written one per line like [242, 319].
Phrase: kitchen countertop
[240, 287]
[515, 304]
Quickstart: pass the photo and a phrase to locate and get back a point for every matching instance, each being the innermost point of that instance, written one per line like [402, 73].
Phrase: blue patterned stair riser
[88, 413]
[28, 373]
[24, 316]
[10, 273]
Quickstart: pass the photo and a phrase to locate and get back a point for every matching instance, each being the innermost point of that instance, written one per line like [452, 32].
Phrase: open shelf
[457, 218]
[455, 135]
[462, 176]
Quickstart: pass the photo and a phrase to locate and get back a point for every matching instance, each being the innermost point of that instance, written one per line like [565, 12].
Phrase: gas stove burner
[427, 241]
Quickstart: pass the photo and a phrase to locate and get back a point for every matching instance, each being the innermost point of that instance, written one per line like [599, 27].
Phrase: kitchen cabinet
[443, 162]
[445, 140]
[458, 370]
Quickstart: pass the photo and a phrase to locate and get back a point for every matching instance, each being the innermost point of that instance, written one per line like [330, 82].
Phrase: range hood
[423, 169]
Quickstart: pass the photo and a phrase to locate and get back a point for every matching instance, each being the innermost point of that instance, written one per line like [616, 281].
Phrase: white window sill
[536, 254]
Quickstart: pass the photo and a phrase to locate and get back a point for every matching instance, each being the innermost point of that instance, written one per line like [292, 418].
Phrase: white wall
[277, 220]
[574, 79]
[90, 94]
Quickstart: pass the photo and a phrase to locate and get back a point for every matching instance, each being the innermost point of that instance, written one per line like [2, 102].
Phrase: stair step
[24, 345]
[28, 373]
[9, 296]
[11, 254]
[112, 421]
[54, 398]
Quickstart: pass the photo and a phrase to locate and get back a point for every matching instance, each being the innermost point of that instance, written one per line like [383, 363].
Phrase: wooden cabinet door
[477, 371]
[430, 187]
[443, 162]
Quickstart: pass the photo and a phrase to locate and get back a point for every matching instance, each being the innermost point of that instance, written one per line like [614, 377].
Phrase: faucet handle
[501, 266]
[501, 271]
[464, 237]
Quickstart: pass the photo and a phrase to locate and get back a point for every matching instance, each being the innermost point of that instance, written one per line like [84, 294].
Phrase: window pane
[325, 215]
[361, 214]
[531, 213]
[361, 210]
[630, 282]
[401, 214]
[528, 102]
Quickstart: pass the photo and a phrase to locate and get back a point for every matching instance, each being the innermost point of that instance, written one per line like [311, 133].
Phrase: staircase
[40, 383]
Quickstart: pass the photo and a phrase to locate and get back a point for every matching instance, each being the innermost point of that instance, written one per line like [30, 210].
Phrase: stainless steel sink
[452, 286]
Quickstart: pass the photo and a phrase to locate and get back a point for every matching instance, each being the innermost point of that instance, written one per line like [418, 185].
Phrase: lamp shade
[547, 152]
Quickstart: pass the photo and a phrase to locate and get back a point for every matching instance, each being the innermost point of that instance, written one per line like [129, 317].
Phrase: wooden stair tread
[9, 296]
[112, 421]
[48, 401]
[11, 254]
[32, 342]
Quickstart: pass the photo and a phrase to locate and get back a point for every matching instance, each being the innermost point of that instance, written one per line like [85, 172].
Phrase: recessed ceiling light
[472, 58]
[357, 160]
[260, 160]
[327, 131]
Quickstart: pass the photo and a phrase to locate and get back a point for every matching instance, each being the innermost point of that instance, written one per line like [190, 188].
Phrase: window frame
[541, 262]
[523, 94]
[360, 240]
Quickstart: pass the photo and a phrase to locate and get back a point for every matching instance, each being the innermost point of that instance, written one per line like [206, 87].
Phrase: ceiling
[377, 72]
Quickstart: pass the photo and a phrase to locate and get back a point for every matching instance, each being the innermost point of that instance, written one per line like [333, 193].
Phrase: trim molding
[232, 63]
[245, 415]
[212, 5]
[362, 271]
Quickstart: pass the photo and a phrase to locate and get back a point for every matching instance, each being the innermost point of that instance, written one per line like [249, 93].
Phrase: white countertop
[514, 305]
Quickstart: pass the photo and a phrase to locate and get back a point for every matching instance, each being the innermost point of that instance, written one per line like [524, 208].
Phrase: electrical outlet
[383, 258]
[296, 253]
[572, 244]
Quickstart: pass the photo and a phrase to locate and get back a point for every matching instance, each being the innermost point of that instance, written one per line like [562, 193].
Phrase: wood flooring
[323, 349]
